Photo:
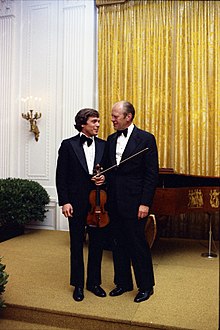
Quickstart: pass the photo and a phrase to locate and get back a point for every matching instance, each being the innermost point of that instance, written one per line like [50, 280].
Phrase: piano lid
[168, 178]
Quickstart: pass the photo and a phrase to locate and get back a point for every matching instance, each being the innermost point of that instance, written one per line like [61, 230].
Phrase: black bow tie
[124, 131]
[84, 139]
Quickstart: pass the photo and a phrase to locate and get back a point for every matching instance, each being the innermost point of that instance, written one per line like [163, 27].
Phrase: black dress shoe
[118, 291]
[143, 295]
[97, 290]
[78, 294]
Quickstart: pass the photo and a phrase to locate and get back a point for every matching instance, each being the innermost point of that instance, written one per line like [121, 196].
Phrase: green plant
[3, 281]
[22, 201]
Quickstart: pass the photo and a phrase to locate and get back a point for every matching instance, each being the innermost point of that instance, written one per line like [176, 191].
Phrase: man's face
[91, 128]
[119, 119]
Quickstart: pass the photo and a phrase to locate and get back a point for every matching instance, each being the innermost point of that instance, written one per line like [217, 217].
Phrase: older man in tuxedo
[131, 186]
[77, 158]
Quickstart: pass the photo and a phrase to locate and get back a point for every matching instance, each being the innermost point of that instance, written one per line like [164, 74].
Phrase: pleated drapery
[163, 56]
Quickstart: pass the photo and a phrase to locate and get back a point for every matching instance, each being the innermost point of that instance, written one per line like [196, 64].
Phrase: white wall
[48, 51]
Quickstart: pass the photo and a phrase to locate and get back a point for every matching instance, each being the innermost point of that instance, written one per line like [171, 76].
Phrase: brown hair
[82, 117]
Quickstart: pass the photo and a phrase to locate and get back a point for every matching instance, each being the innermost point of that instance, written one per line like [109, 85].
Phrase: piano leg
[151, 229]
[209, 254]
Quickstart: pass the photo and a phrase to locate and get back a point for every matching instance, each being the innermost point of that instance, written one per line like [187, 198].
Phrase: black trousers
[129, 247]
[95, 250]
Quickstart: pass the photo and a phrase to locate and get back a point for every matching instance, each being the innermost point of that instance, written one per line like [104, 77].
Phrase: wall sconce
[32, 118]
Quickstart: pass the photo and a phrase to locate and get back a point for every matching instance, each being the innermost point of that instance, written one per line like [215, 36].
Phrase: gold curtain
[164, 57]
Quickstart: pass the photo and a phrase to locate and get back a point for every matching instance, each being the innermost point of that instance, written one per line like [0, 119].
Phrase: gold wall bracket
[32, 118]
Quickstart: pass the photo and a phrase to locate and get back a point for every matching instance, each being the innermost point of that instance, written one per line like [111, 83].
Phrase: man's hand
[67, 210]
[143, 211]
[98, 179]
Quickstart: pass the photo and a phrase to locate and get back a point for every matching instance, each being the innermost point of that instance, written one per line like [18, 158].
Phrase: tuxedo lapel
[130, 149]
[112, 149]
[99, 150]
[132, 144]
[78, 149]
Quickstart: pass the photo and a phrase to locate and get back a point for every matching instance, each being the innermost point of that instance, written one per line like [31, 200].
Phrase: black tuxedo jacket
[134, 182]
[73, 181]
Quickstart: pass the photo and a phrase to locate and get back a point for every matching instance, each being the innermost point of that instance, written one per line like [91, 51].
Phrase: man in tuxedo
[131, 186]
[76, 160]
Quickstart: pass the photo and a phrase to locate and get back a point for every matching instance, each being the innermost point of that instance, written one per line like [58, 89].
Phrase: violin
[97, 216]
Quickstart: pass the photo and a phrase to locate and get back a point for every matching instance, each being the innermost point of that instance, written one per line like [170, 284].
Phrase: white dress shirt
[90, 154]
[121, 143]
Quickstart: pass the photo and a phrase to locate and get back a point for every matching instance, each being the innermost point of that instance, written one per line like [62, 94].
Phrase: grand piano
[183, 194]
[179, 193]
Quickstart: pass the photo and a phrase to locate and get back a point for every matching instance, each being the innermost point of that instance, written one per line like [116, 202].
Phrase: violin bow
[123, 161]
